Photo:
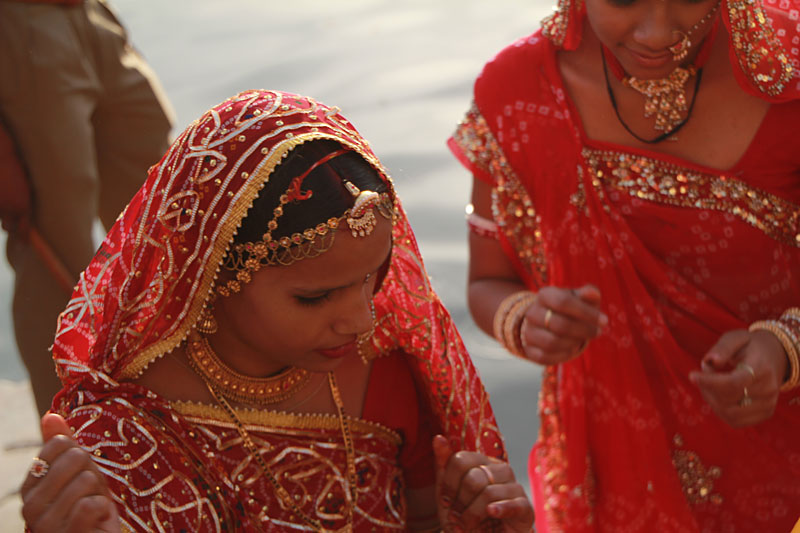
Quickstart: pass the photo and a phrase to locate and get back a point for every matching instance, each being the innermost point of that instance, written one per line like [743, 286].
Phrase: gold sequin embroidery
[697, 480]
[761, 54]
[512, 207]
[658, 181]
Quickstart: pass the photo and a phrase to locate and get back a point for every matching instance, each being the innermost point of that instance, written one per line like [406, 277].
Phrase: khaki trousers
[89, 118]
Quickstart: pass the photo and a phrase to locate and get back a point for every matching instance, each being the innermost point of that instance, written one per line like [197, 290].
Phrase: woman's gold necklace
[240, 388]
[280, 490]
[224, 383]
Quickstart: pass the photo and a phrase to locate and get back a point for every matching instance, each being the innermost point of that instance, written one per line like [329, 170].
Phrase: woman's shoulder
[150, 455]
[127, 420]
[522, 60]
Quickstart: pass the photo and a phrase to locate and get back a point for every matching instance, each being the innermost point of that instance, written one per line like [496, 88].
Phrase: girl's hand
[473, 489]
[741, 376]
[64, 490]
[560, 322]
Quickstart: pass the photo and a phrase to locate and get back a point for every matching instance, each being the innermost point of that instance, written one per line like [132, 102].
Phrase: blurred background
[402, 72]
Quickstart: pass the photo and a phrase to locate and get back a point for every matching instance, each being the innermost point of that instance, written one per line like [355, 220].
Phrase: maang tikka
[249, 257]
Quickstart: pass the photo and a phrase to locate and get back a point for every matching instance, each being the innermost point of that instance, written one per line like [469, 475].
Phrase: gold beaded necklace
[238, 387]
[280, 490]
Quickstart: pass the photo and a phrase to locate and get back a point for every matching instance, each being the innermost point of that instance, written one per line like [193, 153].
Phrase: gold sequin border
[662, 182]
[760, 53]
[200, 413]
[512, 207]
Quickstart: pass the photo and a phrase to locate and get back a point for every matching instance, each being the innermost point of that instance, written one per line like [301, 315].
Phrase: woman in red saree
[267, 242]
[637, 165]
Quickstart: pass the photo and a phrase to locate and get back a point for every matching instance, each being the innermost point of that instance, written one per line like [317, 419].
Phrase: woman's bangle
[502, 312]
[790, 345]
[508, 320]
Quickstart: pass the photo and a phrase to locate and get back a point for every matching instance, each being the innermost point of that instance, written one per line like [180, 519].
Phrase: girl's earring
[207, 324]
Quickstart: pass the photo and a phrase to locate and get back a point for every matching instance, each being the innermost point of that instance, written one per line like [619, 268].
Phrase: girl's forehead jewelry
[247, 258]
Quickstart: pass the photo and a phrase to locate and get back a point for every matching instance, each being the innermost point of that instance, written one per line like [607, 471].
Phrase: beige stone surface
[19, 442]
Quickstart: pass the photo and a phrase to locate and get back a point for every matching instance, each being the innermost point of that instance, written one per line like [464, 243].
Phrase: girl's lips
[339, 351]
[649, 61]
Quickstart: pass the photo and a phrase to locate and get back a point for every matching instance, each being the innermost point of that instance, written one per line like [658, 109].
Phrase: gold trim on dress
[696, 479]
[512, 207]
[662, 182]
[268, 421]
[760, 53]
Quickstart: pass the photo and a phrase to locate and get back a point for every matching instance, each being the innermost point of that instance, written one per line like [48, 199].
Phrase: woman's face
[640, 32]
[307, 314]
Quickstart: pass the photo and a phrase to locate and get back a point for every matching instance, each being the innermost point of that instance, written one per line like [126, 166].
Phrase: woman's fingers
[70, 463]
[741, 377]
[569, 303]
[54, 424]
[476, 479]
[560, 323]
[66, 480]
[82, 503]
[505, 501]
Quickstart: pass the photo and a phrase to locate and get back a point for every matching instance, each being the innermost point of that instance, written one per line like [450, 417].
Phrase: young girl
[256, 347]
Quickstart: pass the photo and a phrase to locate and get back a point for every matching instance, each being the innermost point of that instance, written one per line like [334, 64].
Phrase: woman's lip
[649, 61]
[339, 351]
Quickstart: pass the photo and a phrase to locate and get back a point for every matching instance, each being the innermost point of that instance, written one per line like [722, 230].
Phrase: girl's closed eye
[313, 300]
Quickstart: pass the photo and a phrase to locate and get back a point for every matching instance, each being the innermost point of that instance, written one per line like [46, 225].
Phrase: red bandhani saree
[177, 466]
[681, 254]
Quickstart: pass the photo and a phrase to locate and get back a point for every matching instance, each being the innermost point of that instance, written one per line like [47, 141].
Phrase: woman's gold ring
[488, 472]
[746, 399]
[748, 368]
[548, 315]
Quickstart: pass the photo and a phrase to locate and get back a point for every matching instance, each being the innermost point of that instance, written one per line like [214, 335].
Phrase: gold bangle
[513, 324]
[790, 345]
[502, 312]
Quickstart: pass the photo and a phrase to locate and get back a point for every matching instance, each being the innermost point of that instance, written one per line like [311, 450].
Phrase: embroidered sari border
[267, 420]
[512, 207]
[666, 183]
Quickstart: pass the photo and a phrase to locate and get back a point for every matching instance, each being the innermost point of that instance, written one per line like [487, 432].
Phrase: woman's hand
[559, 324]
[67, 493]
[741, 376]
[472, 489]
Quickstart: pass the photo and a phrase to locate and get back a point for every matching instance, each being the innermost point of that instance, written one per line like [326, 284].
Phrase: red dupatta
[681, 255]
[148, 283]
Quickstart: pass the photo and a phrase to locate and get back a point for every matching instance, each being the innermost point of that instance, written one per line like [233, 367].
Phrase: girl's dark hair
[329, 196]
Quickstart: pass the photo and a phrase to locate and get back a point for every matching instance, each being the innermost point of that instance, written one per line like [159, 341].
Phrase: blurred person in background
[82, 117]
[636, 229]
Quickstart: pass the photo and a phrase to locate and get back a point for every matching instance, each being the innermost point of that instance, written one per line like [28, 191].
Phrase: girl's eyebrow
[314, 290]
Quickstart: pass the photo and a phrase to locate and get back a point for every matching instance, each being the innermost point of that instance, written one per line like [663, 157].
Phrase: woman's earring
[207, 324]
[365, 349]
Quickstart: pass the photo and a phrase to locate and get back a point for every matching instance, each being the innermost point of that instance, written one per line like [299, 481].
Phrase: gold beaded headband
[249, 257]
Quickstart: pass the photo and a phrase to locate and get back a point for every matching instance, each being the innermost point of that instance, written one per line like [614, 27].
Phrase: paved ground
[401, 71]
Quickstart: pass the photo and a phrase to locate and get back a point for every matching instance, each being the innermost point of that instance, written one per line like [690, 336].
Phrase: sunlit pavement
[401, 71]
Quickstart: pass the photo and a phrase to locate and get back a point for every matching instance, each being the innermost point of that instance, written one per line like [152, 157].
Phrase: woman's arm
[550, 329]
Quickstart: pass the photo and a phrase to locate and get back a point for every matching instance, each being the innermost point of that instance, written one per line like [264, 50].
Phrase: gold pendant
[665, 98]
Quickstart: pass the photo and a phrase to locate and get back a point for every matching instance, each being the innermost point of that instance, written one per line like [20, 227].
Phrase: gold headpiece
[249, 257]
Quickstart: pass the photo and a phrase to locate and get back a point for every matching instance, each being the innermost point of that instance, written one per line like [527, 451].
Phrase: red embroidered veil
[681, 253]
[146, 286]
